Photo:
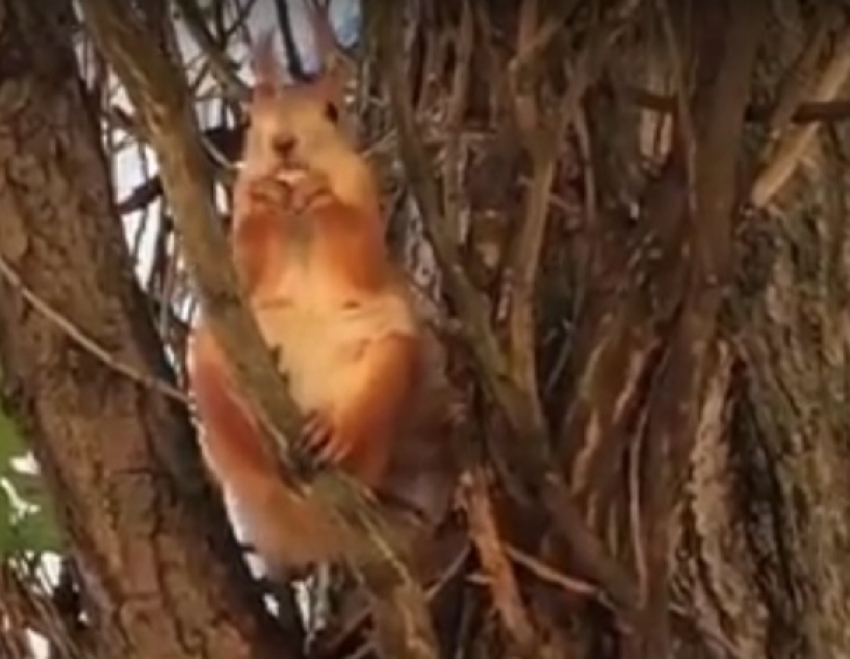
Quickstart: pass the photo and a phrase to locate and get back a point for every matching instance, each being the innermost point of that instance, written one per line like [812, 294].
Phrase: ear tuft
[265, 66]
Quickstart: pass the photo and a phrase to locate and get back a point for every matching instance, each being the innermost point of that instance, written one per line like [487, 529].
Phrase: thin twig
[684, 120]
[545, 572]
[222, 68]
[88, 344]
[294, 65]
[483, 530]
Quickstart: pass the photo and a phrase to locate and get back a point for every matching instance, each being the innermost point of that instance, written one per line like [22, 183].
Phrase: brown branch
[530, 45]
[223, 141]
[159, 95]
[332, 646]
[544, 134]
[796, 141]
[728, 38]
[456, 106]
[684, 121]
[531, 457]
[544, 142]
[471, 305]
[522, 75]
[806, 113]
[549, 574]
[220, 65]
[796, 84]
[544, 149]
[483, 529]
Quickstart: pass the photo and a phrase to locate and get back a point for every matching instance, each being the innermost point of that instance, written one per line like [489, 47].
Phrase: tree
[117, 454]
[630, 217]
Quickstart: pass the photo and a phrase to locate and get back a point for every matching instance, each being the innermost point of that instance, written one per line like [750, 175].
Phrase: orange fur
[308, 247]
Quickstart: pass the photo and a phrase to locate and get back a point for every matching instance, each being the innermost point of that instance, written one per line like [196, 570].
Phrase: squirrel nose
[284, 147]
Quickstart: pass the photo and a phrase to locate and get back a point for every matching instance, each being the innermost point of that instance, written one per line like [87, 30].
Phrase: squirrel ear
[265, 66]
[334, 65]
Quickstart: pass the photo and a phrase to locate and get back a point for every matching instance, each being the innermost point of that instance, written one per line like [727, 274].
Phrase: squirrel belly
[321, 350]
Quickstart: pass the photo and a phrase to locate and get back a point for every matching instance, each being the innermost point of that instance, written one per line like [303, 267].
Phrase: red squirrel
[308, 244]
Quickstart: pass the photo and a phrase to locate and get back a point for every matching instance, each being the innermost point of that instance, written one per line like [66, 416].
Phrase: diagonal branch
[543, 134]
[89, 344]
[161, 99]
[504, 587]
[796, 84]
[221, 67]
[796, 140]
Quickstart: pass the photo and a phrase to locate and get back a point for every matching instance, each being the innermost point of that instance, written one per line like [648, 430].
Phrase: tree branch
[221, 67]
[531, 457]
[728, 38]
[806, 113]
[795, 141]
[78, 336]
[544, 134]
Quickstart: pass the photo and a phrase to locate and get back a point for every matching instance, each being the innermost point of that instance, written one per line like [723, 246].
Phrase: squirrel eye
[331, 112]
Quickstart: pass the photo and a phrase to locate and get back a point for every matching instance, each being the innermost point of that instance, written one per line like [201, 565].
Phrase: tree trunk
[160, 571]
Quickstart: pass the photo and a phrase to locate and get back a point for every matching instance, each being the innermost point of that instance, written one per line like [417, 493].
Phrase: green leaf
[11, 445]
[37, 532]
[27, 530]
[6, 530]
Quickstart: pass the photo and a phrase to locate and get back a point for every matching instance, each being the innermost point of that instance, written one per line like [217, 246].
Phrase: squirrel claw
[309, 193]
[316, 436]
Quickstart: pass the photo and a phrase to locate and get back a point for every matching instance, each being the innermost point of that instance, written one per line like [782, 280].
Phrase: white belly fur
[315, 333]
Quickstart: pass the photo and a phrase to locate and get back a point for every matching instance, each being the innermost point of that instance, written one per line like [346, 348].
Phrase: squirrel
[308, 244]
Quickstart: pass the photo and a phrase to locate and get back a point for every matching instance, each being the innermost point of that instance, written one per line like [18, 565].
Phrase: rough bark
[761, 564]
[161, 575]
[765, 529]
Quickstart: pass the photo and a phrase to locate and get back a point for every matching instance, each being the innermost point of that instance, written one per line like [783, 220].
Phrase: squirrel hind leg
[290, 533]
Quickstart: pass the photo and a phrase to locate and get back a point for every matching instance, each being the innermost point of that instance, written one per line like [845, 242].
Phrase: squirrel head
[296, 128]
